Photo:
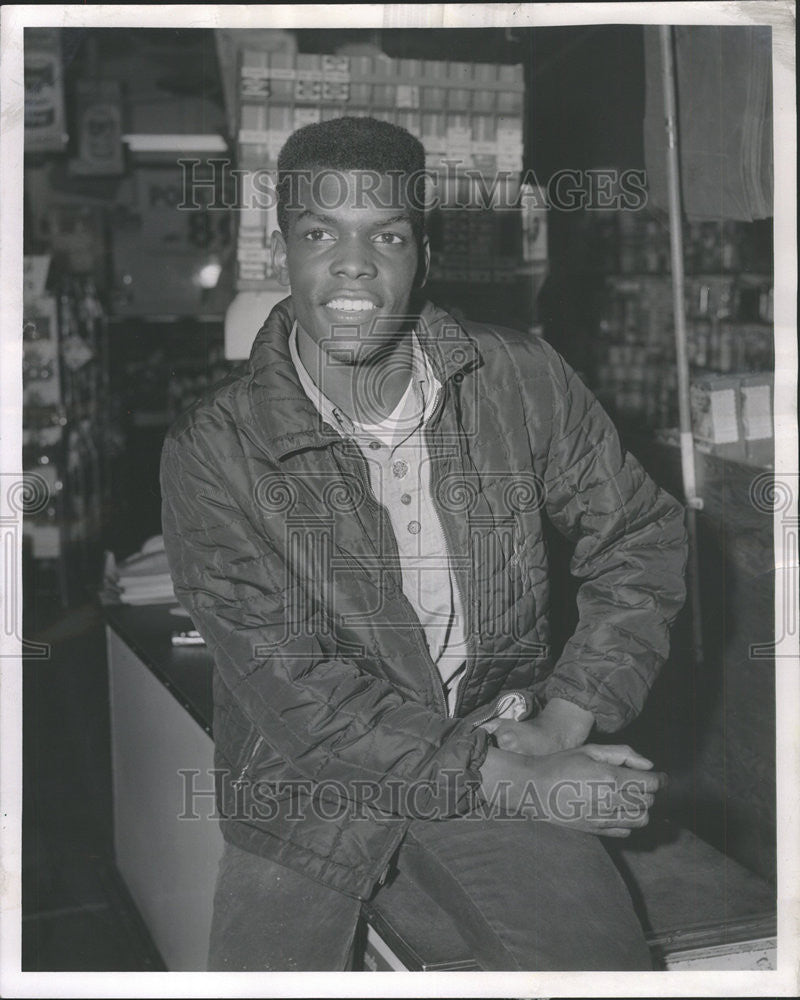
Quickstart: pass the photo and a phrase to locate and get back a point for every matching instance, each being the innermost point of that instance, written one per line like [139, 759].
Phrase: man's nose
[353, 259]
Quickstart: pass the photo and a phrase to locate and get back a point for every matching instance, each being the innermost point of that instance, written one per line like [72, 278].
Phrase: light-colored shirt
[399, 467]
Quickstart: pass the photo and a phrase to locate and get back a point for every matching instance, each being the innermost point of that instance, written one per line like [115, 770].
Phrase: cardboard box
[732, 417]
[716, 416]
[757, 423]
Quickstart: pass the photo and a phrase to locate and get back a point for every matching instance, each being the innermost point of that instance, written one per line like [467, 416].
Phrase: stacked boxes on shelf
[732, 416]
[467, 115]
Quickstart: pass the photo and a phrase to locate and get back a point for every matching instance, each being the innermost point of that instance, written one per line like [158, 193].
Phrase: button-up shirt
[399, 467]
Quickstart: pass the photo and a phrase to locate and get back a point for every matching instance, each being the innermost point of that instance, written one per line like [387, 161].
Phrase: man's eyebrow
[394, 219]
[309, 213]
[330, 221]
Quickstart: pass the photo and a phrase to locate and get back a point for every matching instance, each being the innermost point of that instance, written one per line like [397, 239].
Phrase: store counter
[700, 908]
[162, 751]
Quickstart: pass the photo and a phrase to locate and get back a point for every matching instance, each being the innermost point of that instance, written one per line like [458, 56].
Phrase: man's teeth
[350, 305]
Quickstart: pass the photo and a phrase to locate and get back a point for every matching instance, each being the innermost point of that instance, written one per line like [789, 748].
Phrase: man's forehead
[329, 191]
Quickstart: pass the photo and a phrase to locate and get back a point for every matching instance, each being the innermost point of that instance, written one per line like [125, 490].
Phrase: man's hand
[560, 725]
[603, 790]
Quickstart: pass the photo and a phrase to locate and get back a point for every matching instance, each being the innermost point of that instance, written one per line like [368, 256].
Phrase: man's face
[352, 261]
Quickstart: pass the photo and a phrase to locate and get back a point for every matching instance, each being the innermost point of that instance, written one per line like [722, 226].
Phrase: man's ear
[424, 265]
[280, 263]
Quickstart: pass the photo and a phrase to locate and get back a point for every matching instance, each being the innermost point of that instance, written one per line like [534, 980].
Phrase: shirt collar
[424, 385]
[276, 411]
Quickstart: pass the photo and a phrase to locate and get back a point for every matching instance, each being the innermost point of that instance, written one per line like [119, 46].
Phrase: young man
[355, 526]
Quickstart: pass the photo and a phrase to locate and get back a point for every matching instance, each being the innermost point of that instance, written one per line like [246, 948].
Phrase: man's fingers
[628, 801]
[634, 820]
[614, 832]
[648, 783]
[606, 825]
[632, 786]
[620, 756]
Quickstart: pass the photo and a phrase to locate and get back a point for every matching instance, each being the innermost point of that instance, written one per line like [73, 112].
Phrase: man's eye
[390, 238]
[318, 235]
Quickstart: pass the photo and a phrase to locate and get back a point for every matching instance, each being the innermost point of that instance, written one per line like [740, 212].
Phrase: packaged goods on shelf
[727, 325]
[467, 116]
[709, 248]
[463, 97]
[643, 244]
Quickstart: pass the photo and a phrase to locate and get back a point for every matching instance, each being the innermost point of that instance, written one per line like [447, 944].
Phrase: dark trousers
[525, 895]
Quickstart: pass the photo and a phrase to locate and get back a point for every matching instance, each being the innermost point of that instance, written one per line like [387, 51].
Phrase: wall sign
[44, 92]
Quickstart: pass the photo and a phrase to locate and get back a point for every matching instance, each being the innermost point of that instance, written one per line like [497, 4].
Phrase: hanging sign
[44, 93]
[99, 129]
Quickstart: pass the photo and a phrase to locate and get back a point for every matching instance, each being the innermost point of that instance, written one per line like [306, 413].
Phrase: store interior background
[710, 726]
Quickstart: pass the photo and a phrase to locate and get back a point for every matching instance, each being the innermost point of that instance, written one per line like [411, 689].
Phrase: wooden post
[693, 502]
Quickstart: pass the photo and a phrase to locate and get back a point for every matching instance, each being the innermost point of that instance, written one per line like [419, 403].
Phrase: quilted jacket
[330, 724]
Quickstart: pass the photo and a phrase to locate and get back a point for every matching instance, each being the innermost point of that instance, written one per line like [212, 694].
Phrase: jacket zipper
[438, 691]
[492, 711]
[466, 610]
[249, 762]
[484, 718]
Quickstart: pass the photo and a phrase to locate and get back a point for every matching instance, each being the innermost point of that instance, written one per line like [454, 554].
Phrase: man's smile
[348, 305]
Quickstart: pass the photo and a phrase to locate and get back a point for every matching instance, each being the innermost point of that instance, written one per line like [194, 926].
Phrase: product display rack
[70, 435]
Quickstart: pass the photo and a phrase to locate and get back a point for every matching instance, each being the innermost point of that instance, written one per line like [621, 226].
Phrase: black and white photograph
[399, 500]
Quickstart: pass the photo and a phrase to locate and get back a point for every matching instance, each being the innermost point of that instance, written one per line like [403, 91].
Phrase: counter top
[186, 671]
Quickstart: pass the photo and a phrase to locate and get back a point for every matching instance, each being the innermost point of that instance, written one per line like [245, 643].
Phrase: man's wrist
[567, 721]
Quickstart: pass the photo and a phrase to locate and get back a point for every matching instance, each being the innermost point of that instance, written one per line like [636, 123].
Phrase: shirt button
[414, 527]
[405, 498]
[375, 445]
[399, 469]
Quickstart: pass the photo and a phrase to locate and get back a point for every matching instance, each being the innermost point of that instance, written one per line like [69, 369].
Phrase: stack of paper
[142, 578]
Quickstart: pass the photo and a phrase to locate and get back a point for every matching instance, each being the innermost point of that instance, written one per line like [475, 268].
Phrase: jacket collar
[282, 416]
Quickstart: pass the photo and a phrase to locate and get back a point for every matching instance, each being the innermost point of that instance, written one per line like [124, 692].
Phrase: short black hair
[352, 143]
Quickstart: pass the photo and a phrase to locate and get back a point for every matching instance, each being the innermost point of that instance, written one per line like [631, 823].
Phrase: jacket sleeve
[328, 718]
[630, 554]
